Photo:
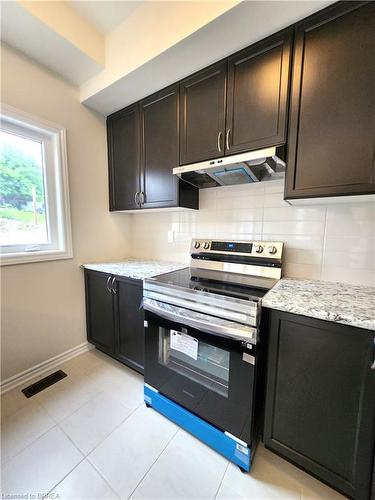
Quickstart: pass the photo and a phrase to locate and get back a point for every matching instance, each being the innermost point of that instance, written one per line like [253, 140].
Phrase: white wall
[42, 306]
[332, 242]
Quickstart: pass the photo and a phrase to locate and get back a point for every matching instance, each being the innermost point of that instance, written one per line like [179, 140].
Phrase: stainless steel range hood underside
[244, 168]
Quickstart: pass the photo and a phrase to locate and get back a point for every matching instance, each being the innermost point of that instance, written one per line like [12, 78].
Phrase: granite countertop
[136, 269]
[352, 305]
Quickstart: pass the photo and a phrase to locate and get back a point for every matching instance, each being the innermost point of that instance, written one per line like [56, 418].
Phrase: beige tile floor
[90, 436]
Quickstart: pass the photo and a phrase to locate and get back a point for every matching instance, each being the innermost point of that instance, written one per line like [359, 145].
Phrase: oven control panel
[265, 249]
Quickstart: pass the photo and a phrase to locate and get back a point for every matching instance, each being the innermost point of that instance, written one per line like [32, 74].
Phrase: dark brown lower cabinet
[129, 347]
[320, 400]
[99, 311]
[114, 320]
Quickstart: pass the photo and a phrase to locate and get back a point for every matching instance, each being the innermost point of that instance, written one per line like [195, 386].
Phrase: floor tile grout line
[103, 391]
[91, 465]
[69, 438]
[58, 421]
[222, 480]
[113, 430]
[66, 475]
[154, 462]
[85, 456]
[30, 444]
[55, 422]
[57, 425]
[103, 477]
[85, 373]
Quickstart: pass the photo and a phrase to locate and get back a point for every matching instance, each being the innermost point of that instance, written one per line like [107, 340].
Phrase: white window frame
[56, 185]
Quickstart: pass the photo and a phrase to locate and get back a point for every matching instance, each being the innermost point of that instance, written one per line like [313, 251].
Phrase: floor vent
[42, 384]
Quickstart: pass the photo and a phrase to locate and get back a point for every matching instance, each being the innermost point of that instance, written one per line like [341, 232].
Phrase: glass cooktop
[228, 284]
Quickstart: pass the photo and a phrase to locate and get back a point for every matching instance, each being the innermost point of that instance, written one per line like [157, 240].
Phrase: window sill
[30, 257]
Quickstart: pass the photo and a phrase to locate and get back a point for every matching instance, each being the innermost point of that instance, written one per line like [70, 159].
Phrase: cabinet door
[332, 121]
[321, 398]
[202, 115]
[99, 310]
[124, 158]
[160, 148]
[258, 81]
[129, 319]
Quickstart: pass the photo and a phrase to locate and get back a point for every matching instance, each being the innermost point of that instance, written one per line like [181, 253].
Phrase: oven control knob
[259, 248]
[272, 250]
[196, 244]
[206, 245]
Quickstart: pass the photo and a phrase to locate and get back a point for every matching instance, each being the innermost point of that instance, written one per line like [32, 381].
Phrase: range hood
[244, 168]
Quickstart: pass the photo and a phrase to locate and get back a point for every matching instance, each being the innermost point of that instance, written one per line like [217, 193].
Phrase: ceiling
[105, 15]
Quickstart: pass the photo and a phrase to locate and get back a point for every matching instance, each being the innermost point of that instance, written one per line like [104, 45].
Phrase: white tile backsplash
[329, 242]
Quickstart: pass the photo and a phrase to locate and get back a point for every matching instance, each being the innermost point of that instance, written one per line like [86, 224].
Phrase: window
[34, 198]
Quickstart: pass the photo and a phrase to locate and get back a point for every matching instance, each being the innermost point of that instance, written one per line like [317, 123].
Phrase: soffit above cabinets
[119, 52]
[53, 34]
[105, 15]
[238, 27]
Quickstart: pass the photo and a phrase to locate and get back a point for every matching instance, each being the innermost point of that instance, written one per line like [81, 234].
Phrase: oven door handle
[202, 322]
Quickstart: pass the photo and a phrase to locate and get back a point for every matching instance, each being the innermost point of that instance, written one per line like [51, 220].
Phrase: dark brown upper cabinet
[143, 146]
[124, 158]
[202, 116]
[160, 151]
[257, 98]
[332, 115]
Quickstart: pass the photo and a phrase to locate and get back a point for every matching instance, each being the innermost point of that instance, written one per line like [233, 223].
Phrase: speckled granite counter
[339, 302]
[136, 269]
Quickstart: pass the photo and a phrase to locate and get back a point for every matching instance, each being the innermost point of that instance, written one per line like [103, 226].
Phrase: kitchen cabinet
[99, 311]
[237, 105]
[332, 113]
[202, 117]
[258, 83]
[320, 399]
[123, 137]
[160, 153]
[114, 320]
[143, 149]
[129, 346]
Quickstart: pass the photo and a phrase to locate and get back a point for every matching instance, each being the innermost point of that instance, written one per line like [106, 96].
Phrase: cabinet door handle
[227, 139]
[114, 285]
[219, 136]
[137, 198]
[109, 288]
[142, 198]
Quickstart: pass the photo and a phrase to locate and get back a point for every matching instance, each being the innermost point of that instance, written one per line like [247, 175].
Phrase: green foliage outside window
[18, 174]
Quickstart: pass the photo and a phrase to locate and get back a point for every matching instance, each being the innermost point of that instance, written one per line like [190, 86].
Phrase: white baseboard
[25, 376]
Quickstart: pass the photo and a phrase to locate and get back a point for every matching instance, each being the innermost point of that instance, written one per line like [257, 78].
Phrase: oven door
[210, 375]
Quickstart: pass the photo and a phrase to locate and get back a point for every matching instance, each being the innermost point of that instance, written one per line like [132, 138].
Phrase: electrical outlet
[170, 236]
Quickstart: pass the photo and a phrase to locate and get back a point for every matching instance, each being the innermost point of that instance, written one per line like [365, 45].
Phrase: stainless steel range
[203, 348]
[224, 285]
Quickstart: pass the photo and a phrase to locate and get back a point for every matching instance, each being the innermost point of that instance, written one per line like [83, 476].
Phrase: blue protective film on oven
[209, 434]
